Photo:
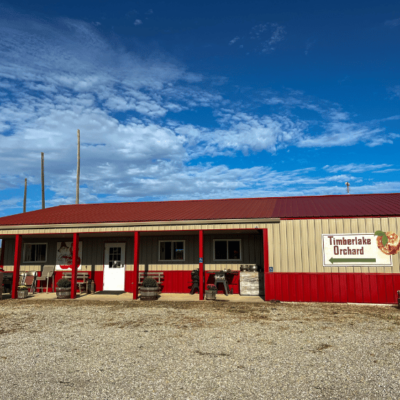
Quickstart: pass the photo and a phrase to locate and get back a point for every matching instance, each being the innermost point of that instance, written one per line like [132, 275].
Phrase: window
[228, 250]
[35, 252]
[114, 257]
[172, 250]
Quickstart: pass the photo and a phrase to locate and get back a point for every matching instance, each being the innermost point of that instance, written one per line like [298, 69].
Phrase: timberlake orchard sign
[359, 249]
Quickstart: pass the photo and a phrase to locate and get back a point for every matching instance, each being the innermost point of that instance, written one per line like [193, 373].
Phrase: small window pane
[178, 251]
[220, 250]
[165, 251]
[35, 252]
[234, 250]
[28, 252]
[41, 252]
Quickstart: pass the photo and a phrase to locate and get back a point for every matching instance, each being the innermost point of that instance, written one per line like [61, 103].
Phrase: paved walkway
[128, 297]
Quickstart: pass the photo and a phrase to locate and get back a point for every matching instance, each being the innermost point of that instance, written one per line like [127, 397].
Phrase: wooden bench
[82, 279]
[157, 275]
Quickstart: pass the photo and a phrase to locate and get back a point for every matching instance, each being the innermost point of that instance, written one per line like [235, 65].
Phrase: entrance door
[114, 266]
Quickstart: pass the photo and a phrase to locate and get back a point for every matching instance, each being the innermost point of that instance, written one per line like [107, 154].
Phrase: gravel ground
[208, 350]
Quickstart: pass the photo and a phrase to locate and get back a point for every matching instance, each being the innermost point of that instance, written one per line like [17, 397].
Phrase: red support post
[75, 251]
[266, 262]
[2, 255]
[17, 264]
[136, 266]
[201, 265]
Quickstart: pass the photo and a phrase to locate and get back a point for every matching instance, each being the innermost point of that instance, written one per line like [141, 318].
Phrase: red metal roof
[365, 205]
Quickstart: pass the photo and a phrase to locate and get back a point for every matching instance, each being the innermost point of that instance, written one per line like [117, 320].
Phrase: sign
[200, 260]
[64, 256]
[271, 269]
[359, 249]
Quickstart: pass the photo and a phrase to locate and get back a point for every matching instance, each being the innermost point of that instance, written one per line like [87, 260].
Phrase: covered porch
[141, 255]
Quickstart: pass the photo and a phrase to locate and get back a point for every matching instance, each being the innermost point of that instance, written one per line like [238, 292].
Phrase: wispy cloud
[269, 34]
[234, 40]
[392, 23]
[138, 22]
[58, 76]
[395, 90]
[309, 43]
[355, 168]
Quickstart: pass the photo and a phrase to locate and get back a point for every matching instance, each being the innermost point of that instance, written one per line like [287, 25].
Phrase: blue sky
[177, 100]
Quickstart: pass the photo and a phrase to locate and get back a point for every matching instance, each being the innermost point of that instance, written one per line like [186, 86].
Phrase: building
[318, 248]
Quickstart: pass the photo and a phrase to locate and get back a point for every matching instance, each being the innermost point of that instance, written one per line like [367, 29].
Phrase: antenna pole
[43, 200]
[78, 167]
[26, 189]
[348, 187]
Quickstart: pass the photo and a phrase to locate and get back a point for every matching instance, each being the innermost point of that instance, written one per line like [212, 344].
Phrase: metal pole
[17, 264]
[78, 167]
[43, 200]
[75, 264]
[25, 191]
[201, 265]
[136, 266]
[266, 264]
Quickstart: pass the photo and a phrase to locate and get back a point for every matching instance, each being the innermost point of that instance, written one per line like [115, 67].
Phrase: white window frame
[227, 250]
[172, 241]
[34, 262]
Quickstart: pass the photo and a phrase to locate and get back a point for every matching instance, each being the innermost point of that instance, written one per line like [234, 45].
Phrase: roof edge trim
[144, 223]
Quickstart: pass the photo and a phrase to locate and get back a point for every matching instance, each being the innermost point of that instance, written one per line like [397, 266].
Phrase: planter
[22, 294]
[149, 293]
[63, 293]
[211, 294]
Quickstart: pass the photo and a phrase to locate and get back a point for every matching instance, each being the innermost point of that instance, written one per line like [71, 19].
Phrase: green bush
[64, 283]
[149, 282]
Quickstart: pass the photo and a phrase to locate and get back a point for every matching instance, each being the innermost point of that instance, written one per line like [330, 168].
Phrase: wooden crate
[251, 283]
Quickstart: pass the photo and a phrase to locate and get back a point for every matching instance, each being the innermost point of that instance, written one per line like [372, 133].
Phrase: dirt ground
[198, 350]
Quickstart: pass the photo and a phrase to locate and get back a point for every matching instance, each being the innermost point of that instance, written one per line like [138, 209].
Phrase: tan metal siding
[289, 256]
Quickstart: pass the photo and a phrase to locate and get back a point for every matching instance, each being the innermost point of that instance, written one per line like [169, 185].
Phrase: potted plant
[63, 289]
[211, 292]
[22, 292]
[149, 289]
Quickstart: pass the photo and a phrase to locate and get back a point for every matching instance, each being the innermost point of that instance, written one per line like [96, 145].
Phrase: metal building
[319, 248]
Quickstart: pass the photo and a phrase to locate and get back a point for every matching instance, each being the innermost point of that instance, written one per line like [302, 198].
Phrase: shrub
[64, 283]
[149, 282]
[22, 287]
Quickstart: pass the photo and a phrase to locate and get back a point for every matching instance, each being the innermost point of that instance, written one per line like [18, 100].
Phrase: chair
[47, 273]
[221, 278]
[30, 280]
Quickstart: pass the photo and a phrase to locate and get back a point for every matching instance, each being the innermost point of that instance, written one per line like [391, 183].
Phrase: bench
[157, 275]
[82, 279]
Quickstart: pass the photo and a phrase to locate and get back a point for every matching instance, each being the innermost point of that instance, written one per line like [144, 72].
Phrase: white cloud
[138, 22]
[396, 90]
[270, 34]
[56, 78]
[355, 168]
[234, 40]
[392, 23]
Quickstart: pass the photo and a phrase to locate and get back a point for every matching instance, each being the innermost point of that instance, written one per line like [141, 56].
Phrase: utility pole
[43, 200]
[26, 188]
[78, 168]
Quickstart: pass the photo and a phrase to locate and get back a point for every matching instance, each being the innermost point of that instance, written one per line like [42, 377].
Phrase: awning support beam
[75, 264]
[266, 262]
[17, 264]
[136, 265]
[201, 265]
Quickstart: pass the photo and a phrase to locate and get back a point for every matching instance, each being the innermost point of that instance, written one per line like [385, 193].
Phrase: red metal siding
[335, 287]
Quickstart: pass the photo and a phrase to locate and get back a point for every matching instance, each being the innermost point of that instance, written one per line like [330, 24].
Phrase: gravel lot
[209, 350]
